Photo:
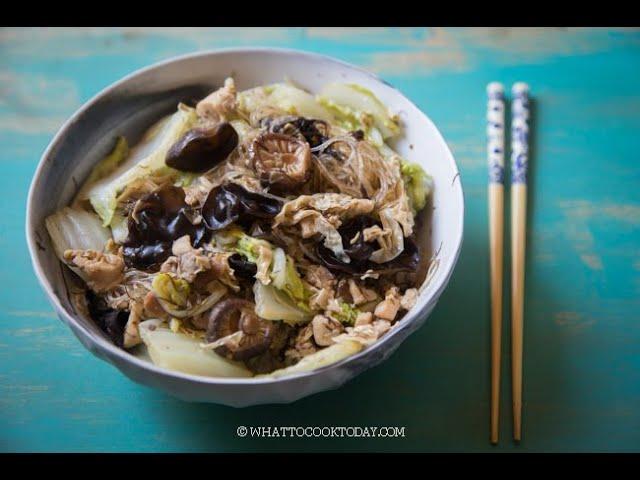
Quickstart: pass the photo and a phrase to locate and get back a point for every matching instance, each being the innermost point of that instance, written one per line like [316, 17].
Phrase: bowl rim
[116, 355]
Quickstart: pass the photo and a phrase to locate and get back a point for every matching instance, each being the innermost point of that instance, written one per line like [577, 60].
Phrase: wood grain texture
[496, 254]
[582, 297]
[518, 251]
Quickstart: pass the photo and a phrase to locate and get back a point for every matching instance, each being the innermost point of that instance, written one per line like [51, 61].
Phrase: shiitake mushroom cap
[235, 314]
[273, 358]
[283, 162]
[201, 149]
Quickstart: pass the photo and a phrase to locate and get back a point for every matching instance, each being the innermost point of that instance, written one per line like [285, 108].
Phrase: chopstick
[519, 163]
[495, 157]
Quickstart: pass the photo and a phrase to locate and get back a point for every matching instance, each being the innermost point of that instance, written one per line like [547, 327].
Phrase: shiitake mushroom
[282, 162]
[233, 315]
[231, 202]
[314, 131]
[201, 149]
[156, 220]
[273, 358]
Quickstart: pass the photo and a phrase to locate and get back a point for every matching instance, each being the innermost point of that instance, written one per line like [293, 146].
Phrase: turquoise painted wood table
[582, 325]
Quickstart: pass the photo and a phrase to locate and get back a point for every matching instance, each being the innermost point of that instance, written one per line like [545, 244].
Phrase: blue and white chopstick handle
[520, 133]
[495, 132]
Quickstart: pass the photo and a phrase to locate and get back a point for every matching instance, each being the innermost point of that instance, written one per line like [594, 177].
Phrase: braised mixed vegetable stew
[263, 232]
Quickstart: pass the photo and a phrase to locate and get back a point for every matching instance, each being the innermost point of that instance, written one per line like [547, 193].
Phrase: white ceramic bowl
[131, 104]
